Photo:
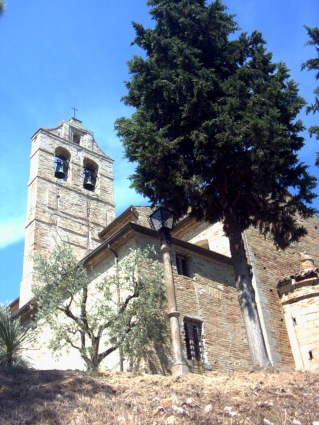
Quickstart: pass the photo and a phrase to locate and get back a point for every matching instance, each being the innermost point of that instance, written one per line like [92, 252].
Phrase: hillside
[66, 397]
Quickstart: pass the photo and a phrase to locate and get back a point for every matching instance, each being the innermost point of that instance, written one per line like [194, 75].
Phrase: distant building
[71, 200]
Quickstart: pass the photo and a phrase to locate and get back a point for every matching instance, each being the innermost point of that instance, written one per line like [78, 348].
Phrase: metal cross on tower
[74, 109]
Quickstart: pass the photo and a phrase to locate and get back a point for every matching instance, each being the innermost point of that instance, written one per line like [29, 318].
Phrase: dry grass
[65, 397]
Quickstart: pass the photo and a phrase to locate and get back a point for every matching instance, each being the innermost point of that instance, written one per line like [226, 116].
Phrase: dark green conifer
[313, 64]
[215, 131]
[2, 7]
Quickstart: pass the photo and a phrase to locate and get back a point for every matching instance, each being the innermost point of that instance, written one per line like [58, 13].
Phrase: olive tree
[96, 315]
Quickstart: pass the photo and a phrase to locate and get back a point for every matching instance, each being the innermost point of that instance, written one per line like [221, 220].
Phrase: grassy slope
[65, 397]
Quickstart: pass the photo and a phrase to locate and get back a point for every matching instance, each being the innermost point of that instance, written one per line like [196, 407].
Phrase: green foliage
[143, 322]
[97, 315]
[215, 124]
[14, 340]
[313, 64]
[2, 7]
[215, 132]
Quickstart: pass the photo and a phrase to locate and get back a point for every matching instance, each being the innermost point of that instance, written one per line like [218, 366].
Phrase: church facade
[71, 200]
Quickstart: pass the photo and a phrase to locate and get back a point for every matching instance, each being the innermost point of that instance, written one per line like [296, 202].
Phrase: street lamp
[162, 220]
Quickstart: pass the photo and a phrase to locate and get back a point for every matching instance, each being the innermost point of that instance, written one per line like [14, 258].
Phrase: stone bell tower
[70, 194]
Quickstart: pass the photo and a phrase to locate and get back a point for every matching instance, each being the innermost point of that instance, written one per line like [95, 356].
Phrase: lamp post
[162, 220]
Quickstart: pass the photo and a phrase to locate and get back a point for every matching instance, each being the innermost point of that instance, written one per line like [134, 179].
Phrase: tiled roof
[302, 274]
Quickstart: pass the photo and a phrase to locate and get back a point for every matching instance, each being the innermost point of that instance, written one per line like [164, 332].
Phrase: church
[71, 200]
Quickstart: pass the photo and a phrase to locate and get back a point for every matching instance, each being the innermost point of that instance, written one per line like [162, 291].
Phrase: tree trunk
[92, 363]
[246, 294]
[95, 361]
[92, 367]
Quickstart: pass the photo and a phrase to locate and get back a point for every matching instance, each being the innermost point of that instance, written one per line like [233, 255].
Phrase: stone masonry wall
[196, 232]
[61, 210]
[300, 301]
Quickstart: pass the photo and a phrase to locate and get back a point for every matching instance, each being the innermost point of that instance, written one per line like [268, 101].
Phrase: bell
[60, 169]
[89, 180]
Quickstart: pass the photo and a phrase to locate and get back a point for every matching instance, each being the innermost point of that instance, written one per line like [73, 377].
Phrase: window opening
[182, 265]
[90, 174]
[61, 163]
[193, 339]
[203, 243]
[60, 168]
[310, 355]
[89, 178]
[76, 138]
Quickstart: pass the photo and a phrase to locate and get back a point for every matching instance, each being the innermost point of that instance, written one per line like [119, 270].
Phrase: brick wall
[269, 266]
[210, 296]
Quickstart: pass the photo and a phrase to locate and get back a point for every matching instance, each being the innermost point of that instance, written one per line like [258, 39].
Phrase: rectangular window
[193, 339]
[182, 265]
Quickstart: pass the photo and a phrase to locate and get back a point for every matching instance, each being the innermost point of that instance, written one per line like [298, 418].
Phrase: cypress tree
[313, 64]
[214, 132]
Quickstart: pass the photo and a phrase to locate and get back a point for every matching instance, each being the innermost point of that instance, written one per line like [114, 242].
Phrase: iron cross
[74, 109]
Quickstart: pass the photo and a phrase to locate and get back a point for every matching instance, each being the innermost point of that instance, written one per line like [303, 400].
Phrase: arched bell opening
[90, 169]
[61, 163]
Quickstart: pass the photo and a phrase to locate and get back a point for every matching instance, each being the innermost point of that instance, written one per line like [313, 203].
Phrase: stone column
[179, 366]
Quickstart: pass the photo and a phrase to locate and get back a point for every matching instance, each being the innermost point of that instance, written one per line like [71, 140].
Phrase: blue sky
[55, 55]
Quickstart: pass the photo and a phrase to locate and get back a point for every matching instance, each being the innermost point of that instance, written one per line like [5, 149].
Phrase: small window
[193, 339]
[182, 265]
[76, 138]
[203, 243]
